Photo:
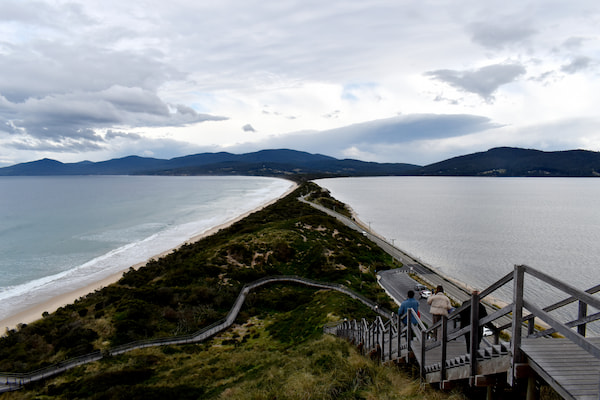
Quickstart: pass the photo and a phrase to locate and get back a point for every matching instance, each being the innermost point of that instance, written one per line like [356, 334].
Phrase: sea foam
[139, 242]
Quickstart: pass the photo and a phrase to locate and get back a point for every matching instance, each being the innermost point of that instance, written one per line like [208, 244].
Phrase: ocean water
[474, 230]
[58, 234]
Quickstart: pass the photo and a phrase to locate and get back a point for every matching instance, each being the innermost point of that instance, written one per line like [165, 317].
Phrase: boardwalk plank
[574, 369]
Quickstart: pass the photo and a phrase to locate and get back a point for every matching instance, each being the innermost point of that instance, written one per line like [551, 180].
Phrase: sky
[376, 80]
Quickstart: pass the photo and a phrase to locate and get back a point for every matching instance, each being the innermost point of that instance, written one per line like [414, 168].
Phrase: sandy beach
[35, 312]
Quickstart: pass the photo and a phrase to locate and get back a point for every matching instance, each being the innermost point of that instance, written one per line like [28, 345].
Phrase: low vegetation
[277, 348]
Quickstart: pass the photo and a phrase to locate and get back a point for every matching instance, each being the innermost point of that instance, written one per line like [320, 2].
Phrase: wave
[17, 298]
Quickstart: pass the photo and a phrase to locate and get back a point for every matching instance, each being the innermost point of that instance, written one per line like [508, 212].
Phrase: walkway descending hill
[13, 381]
[571, 364]
[517, 359]
[530, 354]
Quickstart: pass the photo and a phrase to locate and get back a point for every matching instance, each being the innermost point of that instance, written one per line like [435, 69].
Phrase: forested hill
[508, 161]
[297, 165]
[282, 163]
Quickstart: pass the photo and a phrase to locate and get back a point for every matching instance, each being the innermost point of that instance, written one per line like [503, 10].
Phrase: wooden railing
[517, 319]
[386, 337]
[13, 381]
[584, 299]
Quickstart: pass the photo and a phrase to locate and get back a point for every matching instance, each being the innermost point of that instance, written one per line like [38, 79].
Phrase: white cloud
[84, 79]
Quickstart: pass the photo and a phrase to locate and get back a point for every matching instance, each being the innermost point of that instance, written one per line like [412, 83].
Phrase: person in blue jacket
[410, 302]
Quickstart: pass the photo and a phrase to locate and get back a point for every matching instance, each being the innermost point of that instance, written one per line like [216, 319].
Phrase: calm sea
[475, 230]
[61, 233]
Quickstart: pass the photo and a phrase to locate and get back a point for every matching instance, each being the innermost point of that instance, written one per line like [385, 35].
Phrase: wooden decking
[571, 364]
[574, 372]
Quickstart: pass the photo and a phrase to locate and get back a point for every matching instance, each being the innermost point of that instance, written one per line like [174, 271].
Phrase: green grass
[277, 350]
[257, 359]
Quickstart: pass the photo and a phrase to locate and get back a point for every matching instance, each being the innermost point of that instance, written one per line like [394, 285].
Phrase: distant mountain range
[281, 163]
[501, 161]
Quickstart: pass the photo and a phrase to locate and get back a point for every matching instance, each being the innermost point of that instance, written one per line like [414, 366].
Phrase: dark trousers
[436, 319]
[468, 340]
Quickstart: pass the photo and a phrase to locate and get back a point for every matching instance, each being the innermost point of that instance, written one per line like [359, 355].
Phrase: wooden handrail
[17, 379]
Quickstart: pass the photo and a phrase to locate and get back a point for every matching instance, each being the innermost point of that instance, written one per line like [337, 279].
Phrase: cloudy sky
[376, 80]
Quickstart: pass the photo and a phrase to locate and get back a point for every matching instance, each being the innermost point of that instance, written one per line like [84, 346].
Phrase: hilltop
[302, 166]
[509, 161]
[278, 163]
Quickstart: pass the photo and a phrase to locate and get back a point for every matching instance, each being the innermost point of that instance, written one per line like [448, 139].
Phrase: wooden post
[409, 333]
[382, 341]
[515, 343]
[363, 332]
[474, 336]
[423, 344]
[361, 340]
[582, 314]
[399, 341]
[531, 389]
[531, 326]
[390, 340]
[371, 339]
[444, 347]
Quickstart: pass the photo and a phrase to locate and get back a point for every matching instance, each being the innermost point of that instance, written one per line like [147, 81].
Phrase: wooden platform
[574, 372]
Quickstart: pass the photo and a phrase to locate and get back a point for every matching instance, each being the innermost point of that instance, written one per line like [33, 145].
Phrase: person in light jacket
[440, 305]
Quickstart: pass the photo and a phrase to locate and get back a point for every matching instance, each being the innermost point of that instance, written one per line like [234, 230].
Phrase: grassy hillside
[261, 358]
[276, 350]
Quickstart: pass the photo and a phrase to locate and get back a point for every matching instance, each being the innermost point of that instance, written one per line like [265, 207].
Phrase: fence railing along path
[13, 381]
[569, 363]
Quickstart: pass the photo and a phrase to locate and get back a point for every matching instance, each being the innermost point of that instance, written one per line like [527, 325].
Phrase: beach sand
[35, 312]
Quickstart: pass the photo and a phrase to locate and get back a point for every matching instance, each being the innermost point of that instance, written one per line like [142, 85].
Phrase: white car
[423, 291]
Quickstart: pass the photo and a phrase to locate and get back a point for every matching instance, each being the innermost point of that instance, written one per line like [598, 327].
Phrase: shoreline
[492, 300]
[35, 312]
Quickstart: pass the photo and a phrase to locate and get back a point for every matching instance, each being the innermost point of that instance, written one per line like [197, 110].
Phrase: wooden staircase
[570, 364]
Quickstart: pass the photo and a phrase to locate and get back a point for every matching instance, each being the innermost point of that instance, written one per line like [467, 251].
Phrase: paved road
[397, 282]
[455, 292]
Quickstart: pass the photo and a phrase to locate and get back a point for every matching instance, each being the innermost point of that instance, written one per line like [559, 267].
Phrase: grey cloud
[117, 144]
[278, 114]
[574, 42]
[577, 64]
[483, 81]
[248, 128]
[62, 145]
[72, 120]
[185, 110]
[334, 114]
[82, 66]
[379, 137]
[72, 113]
[495, 36]
[408, 128]
[441, 98]
[110, 134]
[44, 15]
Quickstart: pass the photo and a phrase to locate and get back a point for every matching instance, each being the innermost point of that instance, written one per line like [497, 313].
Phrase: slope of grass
[271, 355]
[276, 350]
